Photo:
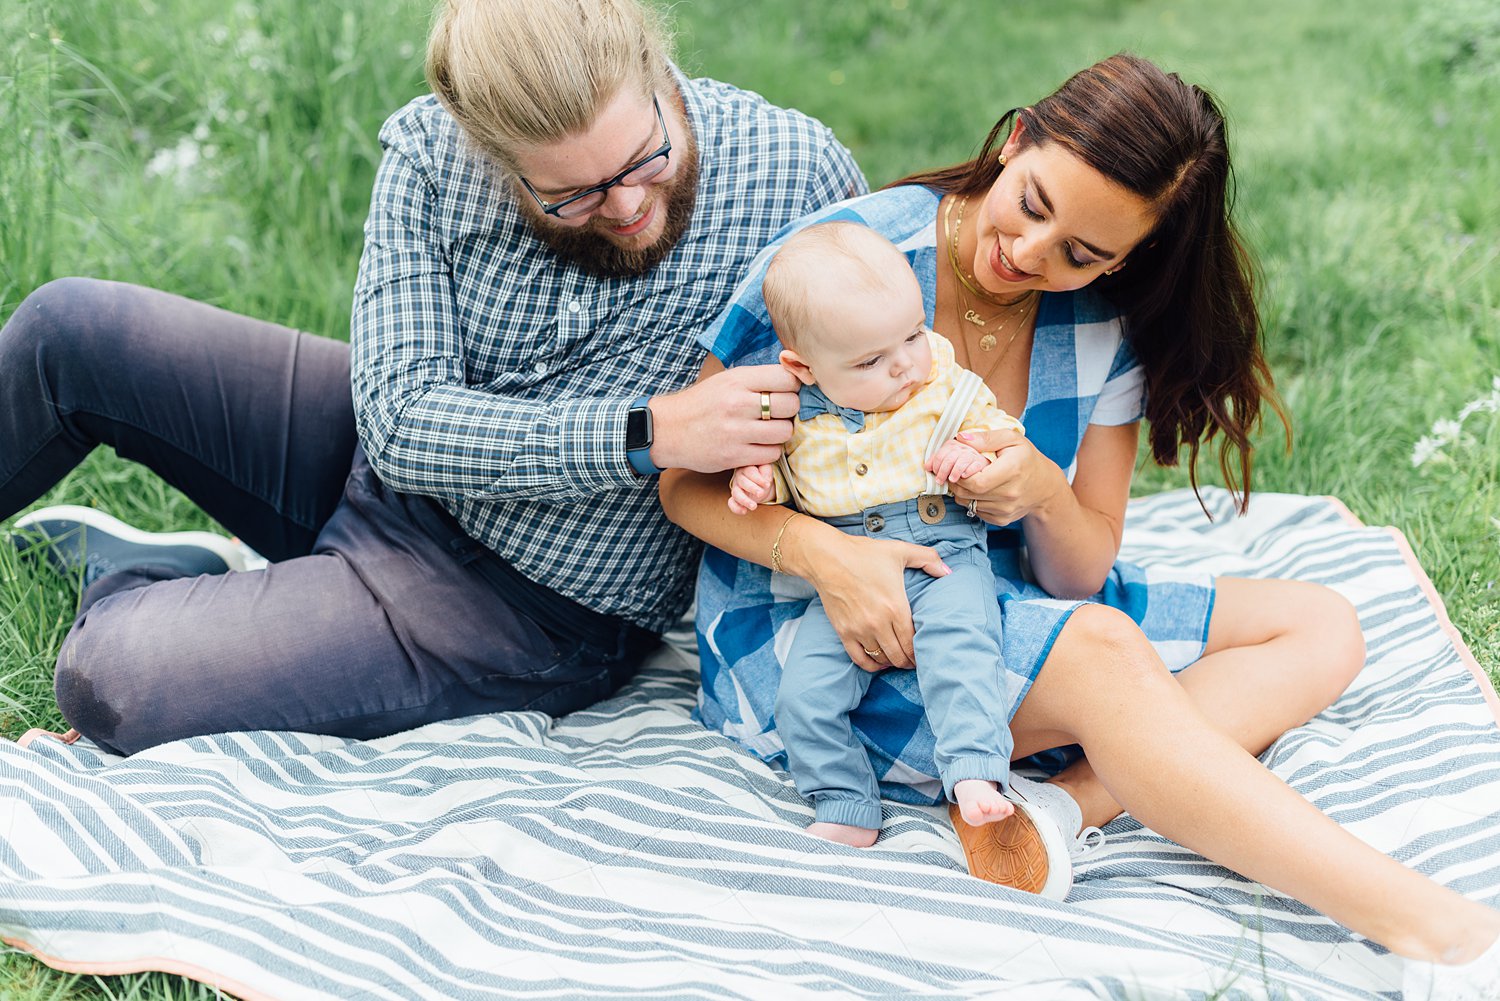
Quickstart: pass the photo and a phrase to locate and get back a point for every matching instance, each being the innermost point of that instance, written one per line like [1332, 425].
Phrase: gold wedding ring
[872, 653]
[765, 406]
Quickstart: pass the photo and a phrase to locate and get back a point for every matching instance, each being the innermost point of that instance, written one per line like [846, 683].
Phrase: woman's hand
[862, 584]
[1020, 480]
[1072, 531]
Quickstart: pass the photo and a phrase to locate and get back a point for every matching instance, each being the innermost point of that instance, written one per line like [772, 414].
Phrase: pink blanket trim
[1486, 686]
[26, 738]
[144, 965]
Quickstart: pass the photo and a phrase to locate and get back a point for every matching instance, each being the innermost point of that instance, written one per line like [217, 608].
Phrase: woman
[1101, 210]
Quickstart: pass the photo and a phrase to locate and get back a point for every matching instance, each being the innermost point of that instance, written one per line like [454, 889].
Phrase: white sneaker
[1028, 850]
[1062, 810]
[85, 543]
[1476, 980]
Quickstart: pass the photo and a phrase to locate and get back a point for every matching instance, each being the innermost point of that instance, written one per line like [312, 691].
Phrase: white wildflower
[1487, 404]
[1447, 432]
[175, 160]
[1424, 450]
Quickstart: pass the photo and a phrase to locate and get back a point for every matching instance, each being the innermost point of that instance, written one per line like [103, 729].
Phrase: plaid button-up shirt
[494, 375]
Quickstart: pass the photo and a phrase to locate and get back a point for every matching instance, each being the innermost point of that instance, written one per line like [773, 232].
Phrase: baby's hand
[955, 461]
[750, 487]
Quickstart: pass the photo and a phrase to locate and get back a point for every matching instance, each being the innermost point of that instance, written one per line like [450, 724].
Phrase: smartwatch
[638, 437]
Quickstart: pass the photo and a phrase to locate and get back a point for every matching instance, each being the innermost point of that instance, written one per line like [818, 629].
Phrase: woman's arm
[1072, 532]
[860, 580]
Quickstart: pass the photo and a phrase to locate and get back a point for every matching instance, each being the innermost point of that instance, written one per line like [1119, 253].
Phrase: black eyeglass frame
[662, 152]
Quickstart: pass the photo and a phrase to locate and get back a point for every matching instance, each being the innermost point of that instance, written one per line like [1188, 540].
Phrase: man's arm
[423, 428]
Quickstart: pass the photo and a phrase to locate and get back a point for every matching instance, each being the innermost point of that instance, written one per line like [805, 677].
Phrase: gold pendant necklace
[1027, 300]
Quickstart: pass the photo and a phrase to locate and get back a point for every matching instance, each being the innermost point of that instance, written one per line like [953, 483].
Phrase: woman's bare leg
[1279, 652]
[1105, 688]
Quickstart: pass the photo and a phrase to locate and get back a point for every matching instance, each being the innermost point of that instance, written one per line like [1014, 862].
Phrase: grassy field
[225, 152]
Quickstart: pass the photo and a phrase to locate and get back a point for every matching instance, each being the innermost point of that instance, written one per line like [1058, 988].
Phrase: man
[547, 236]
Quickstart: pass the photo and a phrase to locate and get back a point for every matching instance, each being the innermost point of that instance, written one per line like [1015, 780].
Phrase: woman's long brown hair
[1188, 296]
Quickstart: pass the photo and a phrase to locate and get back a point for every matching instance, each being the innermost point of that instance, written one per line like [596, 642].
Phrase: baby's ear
[793, 363]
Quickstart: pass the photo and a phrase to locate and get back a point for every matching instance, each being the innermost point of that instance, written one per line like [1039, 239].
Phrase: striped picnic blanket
[626, 852]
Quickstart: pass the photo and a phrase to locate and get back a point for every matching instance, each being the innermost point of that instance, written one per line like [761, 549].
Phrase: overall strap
[966, 386]
[785, 468]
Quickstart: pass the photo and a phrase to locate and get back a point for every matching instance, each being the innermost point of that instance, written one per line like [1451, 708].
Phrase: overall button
[861, 469]
[874, 523]
[931, 508]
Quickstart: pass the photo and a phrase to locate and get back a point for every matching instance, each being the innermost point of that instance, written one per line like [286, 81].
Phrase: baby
[876, 384]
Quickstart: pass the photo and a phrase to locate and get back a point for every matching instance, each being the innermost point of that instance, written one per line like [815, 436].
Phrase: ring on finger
[874, 653]
[765, 406]
[974, 508]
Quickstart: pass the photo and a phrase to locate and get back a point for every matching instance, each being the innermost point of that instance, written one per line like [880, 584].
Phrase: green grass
[1367, 151]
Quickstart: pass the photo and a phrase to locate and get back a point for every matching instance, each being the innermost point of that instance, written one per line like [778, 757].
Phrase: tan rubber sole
[1009, 852]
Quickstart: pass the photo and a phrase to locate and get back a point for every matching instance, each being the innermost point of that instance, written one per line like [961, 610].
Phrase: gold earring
[1002, 159]
[1109, 271]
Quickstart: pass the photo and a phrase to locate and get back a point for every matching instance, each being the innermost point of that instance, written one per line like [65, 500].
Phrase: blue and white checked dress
[495, 376]
[1082, 372]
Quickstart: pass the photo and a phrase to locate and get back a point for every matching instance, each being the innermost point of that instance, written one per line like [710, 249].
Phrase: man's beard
[598, 255]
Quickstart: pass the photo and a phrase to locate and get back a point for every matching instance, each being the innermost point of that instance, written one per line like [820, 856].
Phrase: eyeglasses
[637, 173]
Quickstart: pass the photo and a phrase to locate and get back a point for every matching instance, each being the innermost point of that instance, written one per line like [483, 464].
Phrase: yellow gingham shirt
[839, 473]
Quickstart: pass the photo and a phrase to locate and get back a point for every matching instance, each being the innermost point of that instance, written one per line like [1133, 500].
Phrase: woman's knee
[1113, 634]
[1100, 662]
[1332, 623]
[1102, 646]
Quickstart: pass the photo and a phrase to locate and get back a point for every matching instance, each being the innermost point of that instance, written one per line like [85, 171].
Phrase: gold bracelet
[776, 546]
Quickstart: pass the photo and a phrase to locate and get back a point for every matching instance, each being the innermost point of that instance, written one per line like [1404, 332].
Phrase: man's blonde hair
[516, 74]
[845, 255]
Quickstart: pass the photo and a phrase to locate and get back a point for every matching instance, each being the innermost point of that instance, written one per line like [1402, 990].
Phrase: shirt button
[861, 469]
[574, 306]
[540, 368]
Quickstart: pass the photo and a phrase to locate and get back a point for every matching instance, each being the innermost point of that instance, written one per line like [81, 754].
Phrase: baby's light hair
[845, 255]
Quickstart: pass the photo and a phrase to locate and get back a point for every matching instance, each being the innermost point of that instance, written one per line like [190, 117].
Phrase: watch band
[639, 436]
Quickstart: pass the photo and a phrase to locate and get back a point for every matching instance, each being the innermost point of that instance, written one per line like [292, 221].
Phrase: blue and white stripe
[626, 852]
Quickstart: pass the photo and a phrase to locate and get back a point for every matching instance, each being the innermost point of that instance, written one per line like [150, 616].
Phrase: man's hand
[715, 424]
[750, 487]
[955, 461]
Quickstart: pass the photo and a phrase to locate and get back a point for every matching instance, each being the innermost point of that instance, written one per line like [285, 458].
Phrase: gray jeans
[377, 613]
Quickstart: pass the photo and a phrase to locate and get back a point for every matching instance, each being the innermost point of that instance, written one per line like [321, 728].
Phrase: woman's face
[1053, 223]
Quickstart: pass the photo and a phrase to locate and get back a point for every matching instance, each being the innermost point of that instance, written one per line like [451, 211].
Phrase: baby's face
[871, 351]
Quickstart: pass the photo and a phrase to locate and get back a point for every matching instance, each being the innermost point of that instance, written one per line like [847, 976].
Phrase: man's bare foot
[980, 802]
[859, 837]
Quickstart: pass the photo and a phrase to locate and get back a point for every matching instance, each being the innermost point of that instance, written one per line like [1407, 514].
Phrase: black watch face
[638, 429]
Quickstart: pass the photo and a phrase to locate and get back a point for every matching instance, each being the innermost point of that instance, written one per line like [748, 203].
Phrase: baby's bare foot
[981, 802]
[859, 837]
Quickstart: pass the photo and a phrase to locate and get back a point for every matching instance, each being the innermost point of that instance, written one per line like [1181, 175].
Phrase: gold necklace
[967, 285]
